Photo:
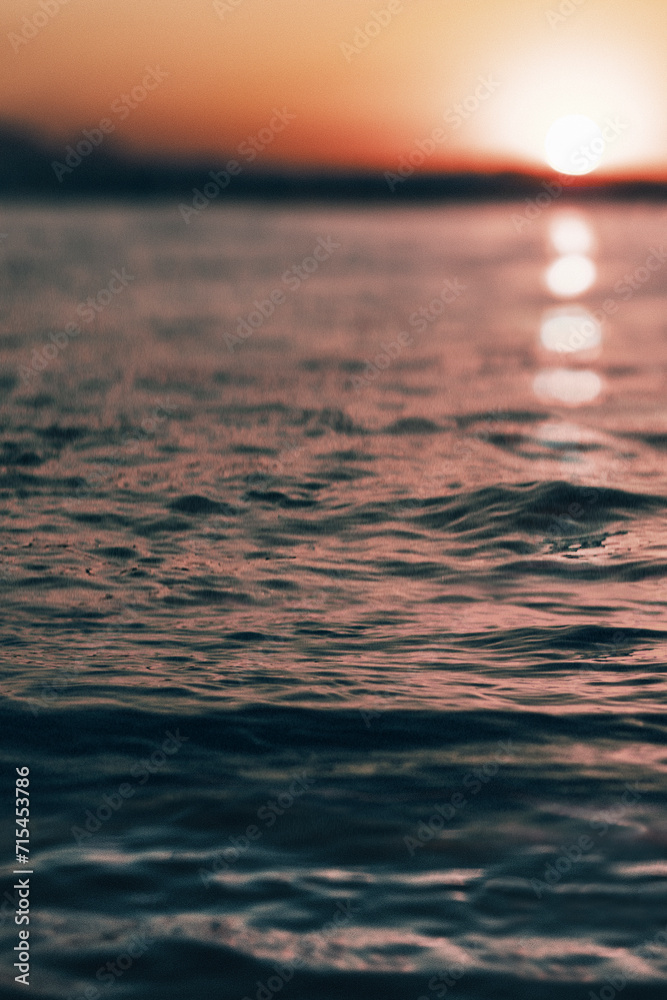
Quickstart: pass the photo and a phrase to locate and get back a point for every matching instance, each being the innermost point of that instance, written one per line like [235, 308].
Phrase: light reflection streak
[570, 275]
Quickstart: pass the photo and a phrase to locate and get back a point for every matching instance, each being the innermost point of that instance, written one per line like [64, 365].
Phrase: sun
[574, 145]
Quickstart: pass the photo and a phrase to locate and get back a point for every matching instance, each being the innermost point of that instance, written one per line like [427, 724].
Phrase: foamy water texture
[334, 610]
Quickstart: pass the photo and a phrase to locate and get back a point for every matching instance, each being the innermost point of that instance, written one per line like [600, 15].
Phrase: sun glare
[570, 330]
[596, 104]
[570, 275]
[565, 385]
[569, 233]
[574, 145]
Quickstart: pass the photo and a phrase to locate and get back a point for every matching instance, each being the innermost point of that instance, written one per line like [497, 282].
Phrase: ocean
[334, 614]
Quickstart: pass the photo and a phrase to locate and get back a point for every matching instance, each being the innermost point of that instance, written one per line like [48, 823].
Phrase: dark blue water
[333, 629]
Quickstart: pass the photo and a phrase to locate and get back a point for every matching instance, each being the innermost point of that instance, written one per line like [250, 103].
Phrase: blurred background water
[375, 594]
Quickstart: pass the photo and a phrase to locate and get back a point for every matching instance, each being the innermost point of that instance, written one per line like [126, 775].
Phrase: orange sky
[358, 99]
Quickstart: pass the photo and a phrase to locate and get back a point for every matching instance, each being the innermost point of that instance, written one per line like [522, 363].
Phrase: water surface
[393, 582]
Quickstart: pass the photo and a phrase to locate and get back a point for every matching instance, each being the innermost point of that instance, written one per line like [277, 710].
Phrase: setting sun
[574, 145]
[366, 81]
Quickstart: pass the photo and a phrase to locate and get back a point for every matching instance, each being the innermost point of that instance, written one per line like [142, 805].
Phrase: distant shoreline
[150, 185]
[30, 169]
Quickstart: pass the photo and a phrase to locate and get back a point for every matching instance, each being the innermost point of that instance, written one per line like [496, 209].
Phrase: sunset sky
[361, 97]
